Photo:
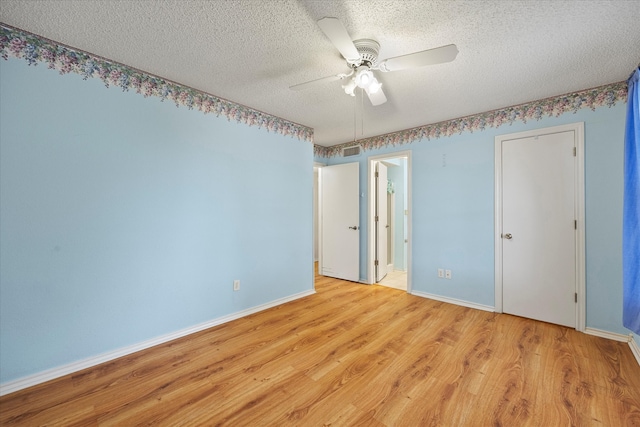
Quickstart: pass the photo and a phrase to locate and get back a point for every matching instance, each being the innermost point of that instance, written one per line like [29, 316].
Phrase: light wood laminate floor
[353, 354]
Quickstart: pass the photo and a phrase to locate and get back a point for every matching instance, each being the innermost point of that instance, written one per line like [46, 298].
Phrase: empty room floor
[353, 354]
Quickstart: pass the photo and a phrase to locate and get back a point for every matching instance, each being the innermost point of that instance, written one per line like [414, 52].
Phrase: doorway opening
[389, 218]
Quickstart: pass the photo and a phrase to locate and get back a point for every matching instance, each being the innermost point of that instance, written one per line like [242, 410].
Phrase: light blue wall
[453, 212]
[321, 160]
[124, 218]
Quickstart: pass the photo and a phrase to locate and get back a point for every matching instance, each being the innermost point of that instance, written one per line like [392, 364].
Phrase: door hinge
[576, 297]
[575, 224]
[376, 218]
[575, 151]
[377, 174]
[375, 263]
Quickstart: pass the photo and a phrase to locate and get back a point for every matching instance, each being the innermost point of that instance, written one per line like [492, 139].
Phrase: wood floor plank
[351, 355]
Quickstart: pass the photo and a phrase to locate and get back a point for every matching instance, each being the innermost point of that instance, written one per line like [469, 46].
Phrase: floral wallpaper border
[607, 95]
[35, 49]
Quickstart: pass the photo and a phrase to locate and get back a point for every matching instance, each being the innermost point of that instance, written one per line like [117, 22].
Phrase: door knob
[507, 236]
[355, 227]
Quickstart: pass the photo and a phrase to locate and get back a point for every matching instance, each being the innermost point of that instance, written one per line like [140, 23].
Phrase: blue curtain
[631, 213]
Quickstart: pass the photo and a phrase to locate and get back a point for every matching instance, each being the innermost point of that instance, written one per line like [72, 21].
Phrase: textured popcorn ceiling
[251, 51]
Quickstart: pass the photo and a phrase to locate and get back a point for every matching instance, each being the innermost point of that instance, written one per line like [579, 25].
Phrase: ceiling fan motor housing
[368, 50]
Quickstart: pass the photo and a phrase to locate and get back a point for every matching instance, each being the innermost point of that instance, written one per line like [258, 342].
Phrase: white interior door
[538, 227]
[340, 221]
[382, 222]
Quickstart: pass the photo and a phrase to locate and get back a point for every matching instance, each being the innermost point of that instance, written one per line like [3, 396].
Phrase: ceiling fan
[362, 59]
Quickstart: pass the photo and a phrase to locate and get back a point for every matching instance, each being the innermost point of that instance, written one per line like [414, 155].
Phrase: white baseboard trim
[454, 301]
[635, 349]
[606, 334]
[50, 374]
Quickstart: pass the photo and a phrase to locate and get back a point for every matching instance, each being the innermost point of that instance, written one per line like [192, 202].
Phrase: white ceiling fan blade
[377, 98]
[335, 31]
[438, 55]
[306, 85]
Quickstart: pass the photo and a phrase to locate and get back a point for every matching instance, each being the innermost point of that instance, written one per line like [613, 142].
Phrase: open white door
[382, 222]
[340, 221]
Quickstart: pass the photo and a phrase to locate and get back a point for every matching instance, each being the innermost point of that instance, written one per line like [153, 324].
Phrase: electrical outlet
[236, 285]
[447, 274]
[440, 273]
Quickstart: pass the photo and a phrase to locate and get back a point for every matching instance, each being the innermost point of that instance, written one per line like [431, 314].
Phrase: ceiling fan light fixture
[364, 77]
[375, 86]
[350, 87]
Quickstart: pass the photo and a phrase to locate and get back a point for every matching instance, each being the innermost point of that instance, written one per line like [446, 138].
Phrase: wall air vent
[354, 150]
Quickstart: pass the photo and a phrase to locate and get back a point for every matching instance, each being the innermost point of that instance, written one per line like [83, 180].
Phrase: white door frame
[371, 246]
[578, 129]
[381, 186]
